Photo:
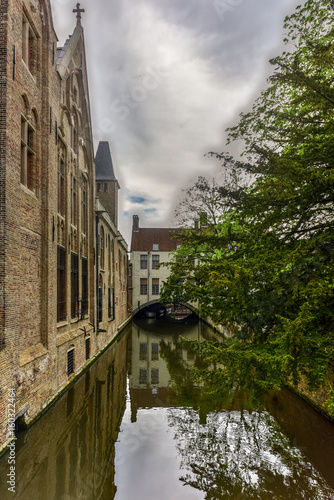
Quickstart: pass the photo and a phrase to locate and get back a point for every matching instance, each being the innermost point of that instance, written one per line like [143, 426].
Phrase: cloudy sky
[166, 78]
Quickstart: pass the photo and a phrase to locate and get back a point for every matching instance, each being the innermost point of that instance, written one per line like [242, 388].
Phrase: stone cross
[78, 12]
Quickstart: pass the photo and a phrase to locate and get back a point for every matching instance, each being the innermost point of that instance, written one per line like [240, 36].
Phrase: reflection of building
[71, 452]
[49, 283]
[151, 356]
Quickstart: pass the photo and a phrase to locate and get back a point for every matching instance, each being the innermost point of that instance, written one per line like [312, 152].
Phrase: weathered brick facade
[48, 261]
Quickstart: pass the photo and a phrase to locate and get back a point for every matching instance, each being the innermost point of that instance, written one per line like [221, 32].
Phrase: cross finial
[78, 12]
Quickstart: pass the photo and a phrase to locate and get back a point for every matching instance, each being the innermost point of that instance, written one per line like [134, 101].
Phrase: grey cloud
[213, 69]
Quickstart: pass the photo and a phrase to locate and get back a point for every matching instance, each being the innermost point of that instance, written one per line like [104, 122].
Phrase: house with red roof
[150, 247]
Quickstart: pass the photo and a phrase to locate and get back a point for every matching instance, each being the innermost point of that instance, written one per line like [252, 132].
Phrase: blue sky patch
[137, 199]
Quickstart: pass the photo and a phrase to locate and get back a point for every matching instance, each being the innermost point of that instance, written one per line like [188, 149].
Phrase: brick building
[49, 320]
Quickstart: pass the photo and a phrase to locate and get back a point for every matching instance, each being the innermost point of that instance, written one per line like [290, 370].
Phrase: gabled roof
[144, 239]
[61, 51]
[104, 167]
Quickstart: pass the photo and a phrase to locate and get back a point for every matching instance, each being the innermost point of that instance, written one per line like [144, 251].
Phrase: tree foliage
[264, 267]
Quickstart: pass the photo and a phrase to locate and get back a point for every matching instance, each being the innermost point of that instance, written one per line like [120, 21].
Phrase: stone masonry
[49, 285]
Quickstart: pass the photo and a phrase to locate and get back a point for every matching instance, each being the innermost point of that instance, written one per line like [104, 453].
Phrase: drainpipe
[148, 277]
[97, 271]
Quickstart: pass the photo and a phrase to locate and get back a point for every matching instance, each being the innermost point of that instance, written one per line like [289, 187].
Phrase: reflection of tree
[242, 453]
[186, 392]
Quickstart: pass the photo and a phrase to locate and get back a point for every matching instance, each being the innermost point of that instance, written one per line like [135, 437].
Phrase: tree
[265, 269]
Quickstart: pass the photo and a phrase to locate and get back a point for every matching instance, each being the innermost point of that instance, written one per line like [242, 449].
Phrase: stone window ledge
[32, 353]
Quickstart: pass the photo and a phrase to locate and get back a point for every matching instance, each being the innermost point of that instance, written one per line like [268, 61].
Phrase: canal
[135, 427]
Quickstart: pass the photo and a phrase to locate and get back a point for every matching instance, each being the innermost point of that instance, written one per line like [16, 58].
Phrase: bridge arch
[155, 308]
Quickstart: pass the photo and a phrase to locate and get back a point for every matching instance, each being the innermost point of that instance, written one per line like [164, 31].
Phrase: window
[155, 351]
[105, 188]
[74, 210]
[143, 351]
[87, 347]
[61, 179]
[143, 261]
[142, 376]
[155, 286]
[101, 249]
[143, 286]
[98, 187]
[27, 154]
[155, 261]
[109, 254]
[29, 45]
[74, 138]
[84, 288]
[111, 303]
[75, 94]
[70, 362]
[155, 376]
[61, 284]
[84, 206]
[155, 247]
[100, 301]
[74, 285]
[99, 312]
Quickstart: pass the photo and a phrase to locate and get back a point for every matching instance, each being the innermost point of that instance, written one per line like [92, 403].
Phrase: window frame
[155, 261]
[29, 45]
[155, 286]
[28, 154]
[143, 261]
[61, 284]
[143, 286]
[74, 285]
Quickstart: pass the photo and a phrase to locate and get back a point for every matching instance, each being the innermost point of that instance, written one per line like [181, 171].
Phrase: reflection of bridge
[156, 309]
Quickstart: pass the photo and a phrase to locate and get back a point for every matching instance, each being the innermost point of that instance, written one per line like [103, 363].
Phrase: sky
[166, 78]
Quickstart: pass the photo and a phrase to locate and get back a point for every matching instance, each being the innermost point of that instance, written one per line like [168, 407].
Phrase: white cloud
[166, 79]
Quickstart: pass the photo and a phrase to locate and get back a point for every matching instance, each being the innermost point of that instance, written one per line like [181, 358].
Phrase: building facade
[111, 248]
[49, 265]
[150, 247]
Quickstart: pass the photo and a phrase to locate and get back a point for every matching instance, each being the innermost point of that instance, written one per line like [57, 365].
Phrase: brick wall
[54, 103]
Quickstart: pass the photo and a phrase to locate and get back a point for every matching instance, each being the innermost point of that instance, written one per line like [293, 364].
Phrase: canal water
[136, 427]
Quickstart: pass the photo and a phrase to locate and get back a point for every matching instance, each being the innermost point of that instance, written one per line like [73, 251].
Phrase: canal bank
[317, 399]
[24, 425]
[135, 425]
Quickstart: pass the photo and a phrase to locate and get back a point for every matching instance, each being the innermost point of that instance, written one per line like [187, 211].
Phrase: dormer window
[155, 247]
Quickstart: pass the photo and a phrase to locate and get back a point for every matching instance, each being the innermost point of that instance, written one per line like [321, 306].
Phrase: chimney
[135, 224]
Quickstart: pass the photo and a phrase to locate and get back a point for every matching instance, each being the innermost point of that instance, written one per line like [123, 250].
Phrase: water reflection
[69, 453]
[223, 450]
[157, 435]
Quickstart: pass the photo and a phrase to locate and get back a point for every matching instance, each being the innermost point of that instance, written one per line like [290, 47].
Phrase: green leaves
[263, 267]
